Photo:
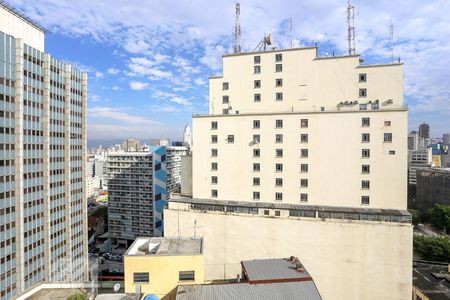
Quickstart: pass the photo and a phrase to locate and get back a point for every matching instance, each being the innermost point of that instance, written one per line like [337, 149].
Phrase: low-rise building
[433, 187]
[431, 281]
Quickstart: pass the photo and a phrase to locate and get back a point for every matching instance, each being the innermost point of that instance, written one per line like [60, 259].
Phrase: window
[387, 123]
[365, 184]
[230, 138]
[392, 152]
[256, 138]
[257, 84]
[304, 123]
[303, 138]
[256, 181]
[257, 97]
[214, 179]
[225, 86]
[256, 167]
[363, 106]
[366, 153]
[388, 137]
[214, 139]
[304, 153]
[362, 77]
[256, 124]
[365, 137]
[213, 125]
[257, 69]
[279, 82]
[365, 200]
[266, 212]
[365, 122]
[279, 152]
[279, 124]
[303, 183]
[214, 193]
[256, 153]
[214, 166]
[186, 275]
[278, 57]
[141, 277]
[304, 197]
[365, 169]
[278, 167]
[304, 168]
[278, 138]
[278, 68]
[279, 96]
[278, 196]
[214, 152]
[375, 106]
[225, 99]
[256, 59]
[277, 213]
[362, 93]
[278, 181]
[225, 111]
[322, 108]
[256, 196]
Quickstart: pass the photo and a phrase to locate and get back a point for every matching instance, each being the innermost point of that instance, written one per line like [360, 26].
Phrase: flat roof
[21, 16]
[271, 51]
[277, 269]
[302, 290]
[431, 279]
[160, 246]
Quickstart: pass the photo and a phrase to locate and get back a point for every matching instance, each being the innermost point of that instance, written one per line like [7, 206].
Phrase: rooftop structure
[166, 246]
[273, 270]
[431, 281]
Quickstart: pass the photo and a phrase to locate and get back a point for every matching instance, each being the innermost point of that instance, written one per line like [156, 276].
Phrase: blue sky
[149, 61]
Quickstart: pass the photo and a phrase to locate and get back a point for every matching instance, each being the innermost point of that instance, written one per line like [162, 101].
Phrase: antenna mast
[290, 32]
[391, 39]
[237, 29]
[351, 28]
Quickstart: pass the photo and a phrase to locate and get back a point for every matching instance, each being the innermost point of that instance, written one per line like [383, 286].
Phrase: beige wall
[334, 158]
[20, 29]
[309, 83]
[347, 259]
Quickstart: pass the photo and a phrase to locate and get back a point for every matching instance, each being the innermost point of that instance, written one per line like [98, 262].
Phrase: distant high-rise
[43, 162]
[424, 130]
[446, 138]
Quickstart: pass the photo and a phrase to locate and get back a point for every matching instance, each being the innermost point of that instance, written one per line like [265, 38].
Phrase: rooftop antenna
[290, 32]
[351, 28]
[391, 39]
[266, 41]
[237, 29]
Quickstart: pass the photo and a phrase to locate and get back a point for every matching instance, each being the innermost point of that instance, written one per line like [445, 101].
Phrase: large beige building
[304, 155]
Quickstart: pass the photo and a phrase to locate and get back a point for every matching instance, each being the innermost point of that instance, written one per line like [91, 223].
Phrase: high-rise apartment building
[304, 155]
[43, 152]
[139, 184]
[424, 130]
[446, 138]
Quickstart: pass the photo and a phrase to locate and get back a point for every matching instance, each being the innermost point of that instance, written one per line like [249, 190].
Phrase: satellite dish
[268, 39]
[117, 287]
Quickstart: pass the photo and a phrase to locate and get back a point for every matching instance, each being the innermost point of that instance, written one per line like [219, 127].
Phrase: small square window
[365, 137]
[279, 152]
[278, 57]
[365, 184]
[257, 69]
[266, 212]
[278, 68]
[256, 181]
[304, 183]
[278, 138]
[392, 152]
[225, 111]
[279, 124]
[365, 153]
[230, 138]
[256, 167]
[186, 276]
[214, 139]
[225, 86]
[304, 197]
[365, 122]
[256, 153]
[257, 97]
[214, 179]
[304, 123]
[279, 96]
[387, 123]
[214, 193]
[365, 169]
[225, 99]
[304, 168]
[278, 182]
[363, 106]
[278, 167]
[257, 84]
[214, 166]
[256, 196]
[278, 82]
[277, 213]
[375, 106]
[141, 277]
[257, 59]
[362, 93]
[362, 77]
[256, 124]
[303, 138]
[365, 200]
[213, 152]
[214, 125]
[322, 108]
[304, 153]
[388, 137]
[278, 196]
[256, 138]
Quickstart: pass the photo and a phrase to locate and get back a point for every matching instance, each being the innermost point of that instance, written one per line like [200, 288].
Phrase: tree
[440, 217]
[432, 248]
[77, 296]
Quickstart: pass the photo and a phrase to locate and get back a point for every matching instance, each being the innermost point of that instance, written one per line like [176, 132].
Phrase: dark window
[256, 124]
[257, 97]
[225, 99]
[186, 275]
[303, 138]
[304, 197]
[388, 137]
[304, 168]
[256, 153]
[257, 84]
[278, 57]
[279, 82]
[365, 184]
[230, 139]
[304, 153]
[365, 137]
[278, 196]
[279, 96]
[278, 68]
[142, 277]
[362, 93]
[214, 179]
[365, 153]
[365, 169]
[304, 123]
[362, 77]
[214, 193]
[256, 59]
[365, 122]
[304, 183]
[279, 124]
[257, 69]
[256, 181]
[256, 196]
[225, 86]
[213, 125]
[365, 200]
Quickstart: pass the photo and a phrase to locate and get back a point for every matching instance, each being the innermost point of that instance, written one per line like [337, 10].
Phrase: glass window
[214, 166]
[213, 152]
[256, 59]
[365, 200]
[257, 69]
[365, 153]
[365, 122]
[214, 179]
[256, 167]
[278, 181]
[304, 153]
[278, 82]
[278, 138]
[365, 184]
[186, 275]
[303, 138]
[225, 111]
[279, 96]
[279, 124]
[365, 169]
[141, 277]
[375, 106]
[214, 139]
[225, 86]
[256, 181]
[278, 68]
[278, 57]
[388, 137]
[362, 77]
[304, 168]
[256, 153]
[387, 123]
[257, 97]
[365, 137]
[256, 124]
[225, 99]
[214, 193]
[278, 196]
[277, 213]
[257, 84]
[256, 138]
[362, 93]
[256, 196]
[278, 167]
[266, 212]
[363, 106]
[230, 138]
[304, 197]
[304, 123]
[213, 125]
[279, 152]
[304, 183]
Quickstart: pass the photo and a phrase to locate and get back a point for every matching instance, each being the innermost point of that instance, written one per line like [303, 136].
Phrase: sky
[149, 61]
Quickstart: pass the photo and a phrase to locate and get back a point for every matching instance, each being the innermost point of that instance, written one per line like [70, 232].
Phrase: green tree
[77, 296]
[439, 217]
[432, 248]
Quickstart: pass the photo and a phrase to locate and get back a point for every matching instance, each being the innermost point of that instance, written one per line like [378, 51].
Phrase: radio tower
[391, 39]
[351, 28]
[237, 29]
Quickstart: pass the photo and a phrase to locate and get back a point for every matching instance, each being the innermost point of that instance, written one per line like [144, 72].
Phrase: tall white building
[42, 168]
[304, 155]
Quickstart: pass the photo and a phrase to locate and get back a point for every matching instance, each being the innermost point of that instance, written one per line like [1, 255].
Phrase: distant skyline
[149, 62]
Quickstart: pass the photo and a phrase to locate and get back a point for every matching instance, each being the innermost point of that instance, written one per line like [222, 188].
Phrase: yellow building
[157, 265]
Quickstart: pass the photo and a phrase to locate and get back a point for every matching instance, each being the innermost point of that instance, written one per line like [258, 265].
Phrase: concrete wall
[347, 259]
[186, 174]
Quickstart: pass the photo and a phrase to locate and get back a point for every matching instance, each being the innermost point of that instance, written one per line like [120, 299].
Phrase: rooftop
[433, 280]
[154, 246]
[21, 16]
[275, 270]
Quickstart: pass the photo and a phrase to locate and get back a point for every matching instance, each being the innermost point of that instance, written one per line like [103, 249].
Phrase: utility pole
[351, 28]
[237, 29]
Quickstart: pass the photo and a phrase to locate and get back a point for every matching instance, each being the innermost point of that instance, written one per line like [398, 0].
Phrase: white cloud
[98, 74]
[113, 71]
[115, 88]
[138, 86]
[200, 81]
[115, 114]
[94, 98]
